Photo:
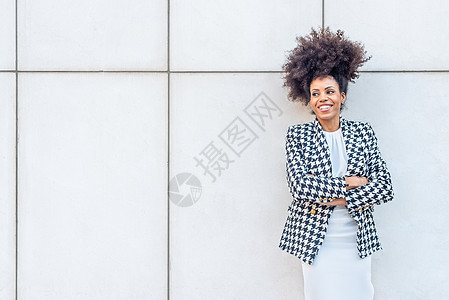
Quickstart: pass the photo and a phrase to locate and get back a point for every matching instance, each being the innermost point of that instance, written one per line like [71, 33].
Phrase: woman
[335, 172]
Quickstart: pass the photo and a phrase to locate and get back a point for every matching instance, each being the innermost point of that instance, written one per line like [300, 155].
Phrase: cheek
[312, 105]
[314, 109]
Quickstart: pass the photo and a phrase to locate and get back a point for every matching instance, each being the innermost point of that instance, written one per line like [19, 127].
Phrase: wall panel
[401, 35]
[92, 35]
[7, 35]
[7, 185]
[92, 183]
[237, 35]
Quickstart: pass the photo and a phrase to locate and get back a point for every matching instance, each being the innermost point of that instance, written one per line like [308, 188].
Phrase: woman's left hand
[335, 202]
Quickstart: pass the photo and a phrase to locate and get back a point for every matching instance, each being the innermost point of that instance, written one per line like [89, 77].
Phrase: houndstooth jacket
[308, 153]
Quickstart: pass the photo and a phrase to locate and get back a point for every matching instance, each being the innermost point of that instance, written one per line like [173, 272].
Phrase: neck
[330, 125]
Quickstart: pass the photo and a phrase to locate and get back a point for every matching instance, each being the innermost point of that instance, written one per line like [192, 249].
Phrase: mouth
[324, 107]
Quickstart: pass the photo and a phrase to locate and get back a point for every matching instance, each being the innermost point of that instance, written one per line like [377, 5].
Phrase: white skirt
[338, 272]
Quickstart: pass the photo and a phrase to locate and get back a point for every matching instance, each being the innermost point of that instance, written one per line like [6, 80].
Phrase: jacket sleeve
[302, 186]
[378, 189]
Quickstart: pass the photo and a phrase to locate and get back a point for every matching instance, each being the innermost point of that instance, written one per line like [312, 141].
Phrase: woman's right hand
[355, 181]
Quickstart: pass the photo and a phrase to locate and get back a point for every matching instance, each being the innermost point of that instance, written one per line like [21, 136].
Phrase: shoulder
[300, 128]
[360, 127]
[358, 124]
[363, 131]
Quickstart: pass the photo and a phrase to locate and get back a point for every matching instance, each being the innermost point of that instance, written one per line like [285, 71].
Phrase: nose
[322, 98]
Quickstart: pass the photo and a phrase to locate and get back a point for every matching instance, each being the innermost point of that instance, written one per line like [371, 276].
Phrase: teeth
[325, 107]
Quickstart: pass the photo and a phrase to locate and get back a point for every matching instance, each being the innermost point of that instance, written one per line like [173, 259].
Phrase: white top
[337, 150]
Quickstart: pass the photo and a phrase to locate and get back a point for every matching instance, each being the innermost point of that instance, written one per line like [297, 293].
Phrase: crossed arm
[351, 183]
[356, 192]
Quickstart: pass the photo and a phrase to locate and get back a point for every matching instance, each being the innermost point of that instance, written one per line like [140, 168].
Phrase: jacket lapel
[322, 154]
[350, 144]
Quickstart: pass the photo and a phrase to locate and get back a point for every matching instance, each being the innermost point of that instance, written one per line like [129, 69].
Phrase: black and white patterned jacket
[308, 153]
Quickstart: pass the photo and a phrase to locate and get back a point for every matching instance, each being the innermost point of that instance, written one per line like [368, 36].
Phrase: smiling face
[325, 101]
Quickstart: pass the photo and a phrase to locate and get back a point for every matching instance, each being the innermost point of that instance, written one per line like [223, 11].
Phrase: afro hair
[318, 54]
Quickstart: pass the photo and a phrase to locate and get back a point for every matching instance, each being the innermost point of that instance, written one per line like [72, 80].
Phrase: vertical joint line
[16, 67]
[168, 149]
[322, 14]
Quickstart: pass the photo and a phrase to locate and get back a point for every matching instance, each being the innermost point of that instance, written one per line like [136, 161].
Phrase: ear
[343, 97]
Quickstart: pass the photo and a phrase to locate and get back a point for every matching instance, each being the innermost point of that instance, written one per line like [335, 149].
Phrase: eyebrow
[331, 86]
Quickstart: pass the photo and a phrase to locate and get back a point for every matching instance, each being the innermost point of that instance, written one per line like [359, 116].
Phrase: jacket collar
[348, 137]
[343, 124]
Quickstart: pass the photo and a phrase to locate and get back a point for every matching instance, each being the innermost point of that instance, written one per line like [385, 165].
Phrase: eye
[330, 92]
[314, 94]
